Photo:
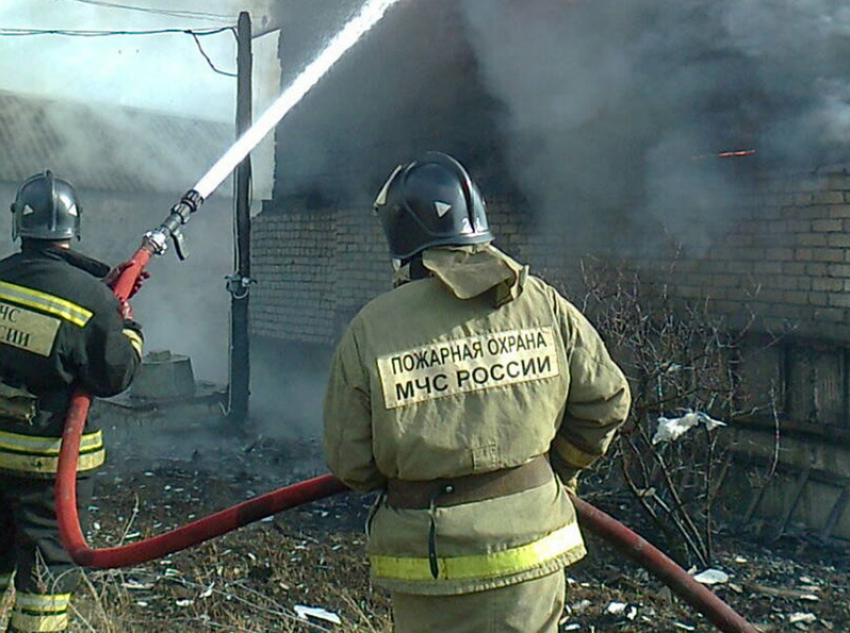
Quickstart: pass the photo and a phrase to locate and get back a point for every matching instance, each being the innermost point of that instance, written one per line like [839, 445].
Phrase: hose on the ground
[592, 519]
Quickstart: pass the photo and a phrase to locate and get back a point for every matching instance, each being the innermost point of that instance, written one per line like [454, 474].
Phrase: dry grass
[124, 602]
[248, 581]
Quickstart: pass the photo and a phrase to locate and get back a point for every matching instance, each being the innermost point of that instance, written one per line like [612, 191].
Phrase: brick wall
[784, 257]
[315, 270]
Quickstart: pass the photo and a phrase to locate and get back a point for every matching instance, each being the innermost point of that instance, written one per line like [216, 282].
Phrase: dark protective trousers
[32, 550]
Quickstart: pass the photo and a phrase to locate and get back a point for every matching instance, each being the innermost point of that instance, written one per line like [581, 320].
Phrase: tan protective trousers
[534, 606]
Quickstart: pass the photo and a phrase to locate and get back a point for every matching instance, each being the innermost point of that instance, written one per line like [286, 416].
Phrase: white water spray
[370, 14]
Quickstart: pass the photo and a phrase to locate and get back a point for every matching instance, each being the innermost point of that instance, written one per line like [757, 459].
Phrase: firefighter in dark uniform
[60, 325]
[460, 394]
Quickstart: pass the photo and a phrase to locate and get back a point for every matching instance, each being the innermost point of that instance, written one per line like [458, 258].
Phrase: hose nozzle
[180, 214]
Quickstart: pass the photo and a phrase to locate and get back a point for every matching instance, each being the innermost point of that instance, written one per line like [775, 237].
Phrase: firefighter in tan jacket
[456, 395]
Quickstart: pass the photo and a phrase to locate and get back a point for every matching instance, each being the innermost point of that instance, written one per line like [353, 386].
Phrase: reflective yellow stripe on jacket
[40, 612]
[481, 566]
[135, 340]
[33, 454]
[76, 314]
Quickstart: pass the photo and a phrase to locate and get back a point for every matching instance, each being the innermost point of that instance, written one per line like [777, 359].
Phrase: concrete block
[816, 270]
[828, 197]
[779, 254]
[799, 226]
[757, 254]
[810, 239]
[839, 240]
[828, 284]
[839, 270]
[828, 255]
[795, 268]
[739, 267]
[819, 298]
[825, 226]
[831, 315]
[839, 300]
[796, 297]
[763, 268]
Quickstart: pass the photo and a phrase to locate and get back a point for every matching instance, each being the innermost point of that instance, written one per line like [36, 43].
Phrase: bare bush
[680, 360]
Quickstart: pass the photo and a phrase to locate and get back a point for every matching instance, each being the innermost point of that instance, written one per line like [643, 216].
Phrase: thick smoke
[619, 105]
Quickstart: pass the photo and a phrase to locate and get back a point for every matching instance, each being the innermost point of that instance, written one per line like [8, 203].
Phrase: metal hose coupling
[189, 204]
[180, 214]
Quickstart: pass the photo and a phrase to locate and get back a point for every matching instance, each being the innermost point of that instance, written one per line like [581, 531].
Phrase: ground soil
[259, 577]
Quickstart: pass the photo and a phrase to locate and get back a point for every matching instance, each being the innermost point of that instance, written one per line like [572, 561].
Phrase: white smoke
[160, 72]
[623, 104]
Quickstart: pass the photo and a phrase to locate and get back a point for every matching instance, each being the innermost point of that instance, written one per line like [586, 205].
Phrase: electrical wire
[197, 15]
[209, 61]
[87, 33]
[196, 35]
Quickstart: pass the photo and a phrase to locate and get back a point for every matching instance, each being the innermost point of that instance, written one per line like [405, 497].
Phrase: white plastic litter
[580, 606]
[712, 577]
[802, 617]
[316, 612]
[135, 585]
[671, 429]
[616, 608]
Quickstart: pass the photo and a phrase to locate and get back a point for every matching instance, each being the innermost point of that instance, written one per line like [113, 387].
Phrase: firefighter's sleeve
[111, 353]
[597, 404]
[348, 420]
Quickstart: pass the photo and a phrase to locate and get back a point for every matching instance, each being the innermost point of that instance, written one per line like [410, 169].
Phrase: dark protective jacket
[478, 367]
[59, 326]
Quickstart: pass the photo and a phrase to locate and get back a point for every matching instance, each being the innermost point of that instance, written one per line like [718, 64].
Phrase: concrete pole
[240, 368]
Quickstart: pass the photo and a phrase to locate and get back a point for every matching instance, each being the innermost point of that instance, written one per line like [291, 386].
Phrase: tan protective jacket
[479, 367]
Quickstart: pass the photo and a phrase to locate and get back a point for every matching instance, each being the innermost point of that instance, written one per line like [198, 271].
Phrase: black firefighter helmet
[431, 202]
[46, 208]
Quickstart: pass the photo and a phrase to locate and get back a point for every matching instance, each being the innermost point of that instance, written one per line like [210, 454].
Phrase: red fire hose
[662, 567]
[591, 518]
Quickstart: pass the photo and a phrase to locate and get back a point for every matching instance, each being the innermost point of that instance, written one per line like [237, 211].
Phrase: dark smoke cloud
[622, 104]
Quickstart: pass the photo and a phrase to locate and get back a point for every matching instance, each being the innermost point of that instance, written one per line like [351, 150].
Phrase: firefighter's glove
[125, 309]
[571, 484]
[568, 476]
[113, 275]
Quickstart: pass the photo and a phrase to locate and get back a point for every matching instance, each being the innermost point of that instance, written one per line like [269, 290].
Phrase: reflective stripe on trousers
[40, 612]
[34, 454]
[506, 562]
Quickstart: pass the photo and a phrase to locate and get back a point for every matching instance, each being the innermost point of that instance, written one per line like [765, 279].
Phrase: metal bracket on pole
[239, 286]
